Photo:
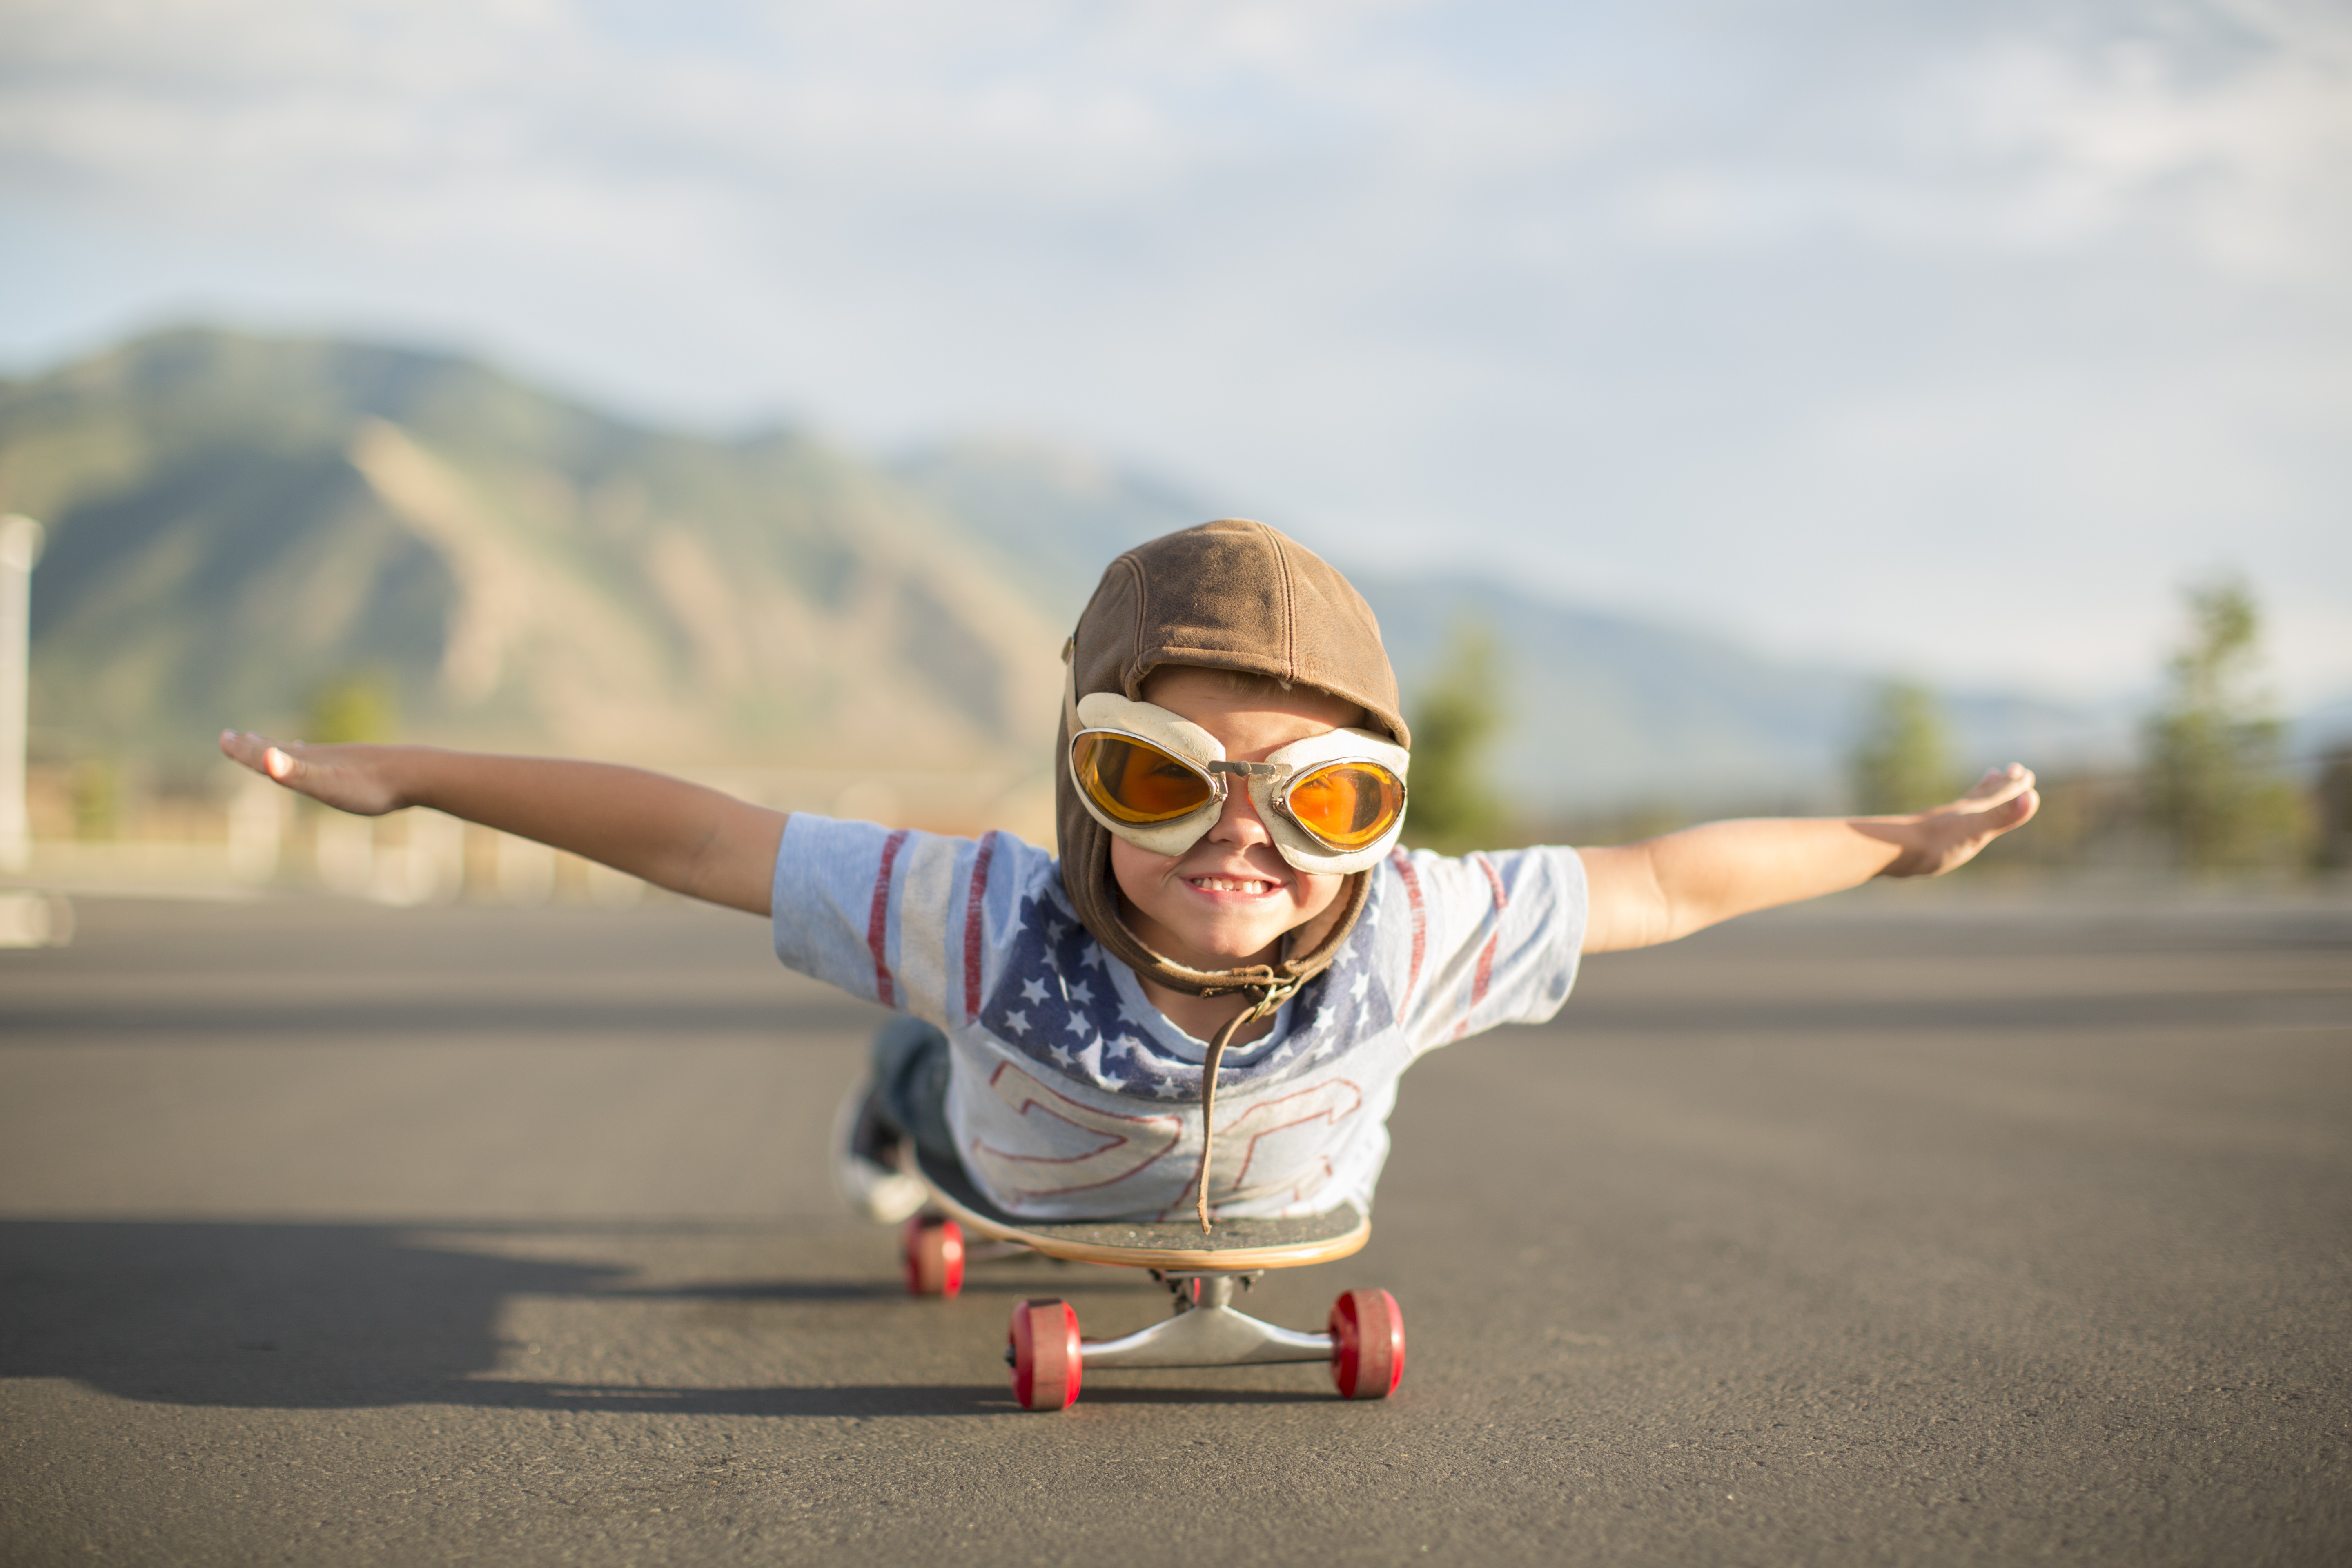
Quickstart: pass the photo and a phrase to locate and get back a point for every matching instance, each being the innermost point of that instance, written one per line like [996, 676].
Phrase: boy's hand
[1666, 888]
[1935, 840]
[356, 779]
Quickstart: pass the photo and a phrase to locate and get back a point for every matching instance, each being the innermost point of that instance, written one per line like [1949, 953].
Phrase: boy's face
[1227, 901]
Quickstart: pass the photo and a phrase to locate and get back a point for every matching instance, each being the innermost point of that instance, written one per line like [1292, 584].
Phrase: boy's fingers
[2014, 811]
[243, 746]
[2001, 785]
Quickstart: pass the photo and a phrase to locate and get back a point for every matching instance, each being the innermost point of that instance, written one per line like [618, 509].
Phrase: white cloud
[2242, 154]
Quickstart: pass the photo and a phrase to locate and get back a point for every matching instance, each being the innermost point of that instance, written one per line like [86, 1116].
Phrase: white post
[20, 546]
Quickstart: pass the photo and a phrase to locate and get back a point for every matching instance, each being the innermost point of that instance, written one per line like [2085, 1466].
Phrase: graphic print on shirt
[1127, 1144]
[1055, 1003]
[1252, 1142]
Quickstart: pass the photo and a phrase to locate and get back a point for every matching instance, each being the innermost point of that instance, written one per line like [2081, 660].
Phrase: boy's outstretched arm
[673, 834]
[1671, 885]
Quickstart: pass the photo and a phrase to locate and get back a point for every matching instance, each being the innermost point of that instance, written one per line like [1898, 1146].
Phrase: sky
[1951, 339]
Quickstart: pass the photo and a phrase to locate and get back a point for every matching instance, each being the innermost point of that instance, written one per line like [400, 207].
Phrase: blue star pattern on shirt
[1055, 1003]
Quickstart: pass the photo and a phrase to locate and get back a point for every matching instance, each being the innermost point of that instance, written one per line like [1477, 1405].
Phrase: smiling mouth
[1255, 886]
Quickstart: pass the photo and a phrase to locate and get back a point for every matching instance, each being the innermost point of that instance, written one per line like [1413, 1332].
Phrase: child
[1205, 1005]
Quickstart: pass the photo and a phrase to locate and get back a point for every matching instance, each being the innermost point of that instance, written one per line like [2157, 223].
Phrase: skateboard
[1363, 1342]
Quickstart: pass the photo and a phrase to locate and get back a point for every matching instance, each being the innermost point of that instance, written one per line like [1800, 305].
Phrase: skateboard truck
[1206, 1330]
[1364, 1347]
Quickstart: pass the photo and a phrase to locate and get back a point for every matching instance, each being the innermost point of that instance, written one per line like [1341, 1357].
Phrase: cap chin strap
[1274, 983]
[1268, 1000]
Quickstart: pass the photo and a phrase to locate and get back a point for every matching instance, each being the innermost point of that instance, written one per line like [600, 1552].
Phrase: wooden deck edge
[1296, 1256]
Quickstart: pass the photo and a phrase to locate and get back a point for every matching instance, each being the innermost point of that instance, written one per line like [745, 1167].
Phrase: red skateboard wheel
[1367, 1344]
[933, 1248]
[1046, 1361]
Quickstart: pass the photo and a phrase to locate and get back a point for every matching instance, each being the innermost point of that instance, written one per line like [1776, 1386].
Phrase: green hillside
[237, 523]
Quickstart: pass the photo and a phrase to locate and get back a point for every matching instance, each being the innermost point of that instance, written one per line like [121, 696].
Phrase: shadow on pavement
[871, 1399]
[273, 1316]
[1319, 1392]
[305, 1316]
[1012, 1279]
[846, 1399]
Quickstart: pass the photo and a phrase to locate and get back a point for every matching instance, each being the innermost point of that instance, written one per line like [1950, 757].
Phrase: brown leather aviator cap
[1231, 594]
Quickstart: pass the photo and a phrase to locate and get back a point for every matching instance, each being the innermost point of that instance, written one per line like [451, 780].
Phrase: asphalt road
[1909, 1229]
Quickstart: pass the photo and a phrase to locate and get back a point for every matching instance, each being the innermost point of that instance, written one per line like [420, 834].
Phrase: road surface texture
[1911, 1229]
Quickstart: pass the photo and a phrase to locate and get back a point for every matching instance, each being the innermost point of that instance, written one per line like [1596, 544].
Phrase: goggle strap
[1274, 996]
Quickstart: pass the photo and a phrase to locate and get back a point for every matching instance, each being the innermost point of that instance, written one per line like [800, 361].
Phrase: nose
[1239, 824]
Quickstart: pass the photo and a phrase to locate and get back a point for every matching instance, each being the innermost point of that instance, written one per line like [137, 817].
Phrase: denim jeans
[909, 1059]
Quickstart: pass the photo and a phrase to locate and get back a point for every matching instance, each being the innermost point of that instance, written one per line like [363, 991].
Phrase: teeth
[1228, 885]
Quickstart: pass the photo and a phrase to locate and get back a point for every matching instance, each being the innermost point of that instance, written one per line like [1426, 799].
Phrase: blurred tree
[1451, 804]
[1903, 761]
[95, 787]
[2335, 804]
[359, 705]
[2209, 770]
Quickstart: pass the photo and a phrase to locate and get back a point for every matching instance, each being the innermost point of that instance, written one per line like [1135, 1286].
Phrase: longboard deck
[1143, 1243]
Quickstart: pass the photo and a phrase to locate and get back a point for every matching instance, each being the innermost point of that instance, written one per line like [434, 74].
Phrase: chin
[1221, 946]
[1236, 950]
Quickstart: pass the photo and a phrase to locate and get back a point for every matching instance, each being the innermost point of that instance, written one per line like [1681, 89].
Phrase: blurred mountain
[237, 523]
[1053, 517]
[1605, 710]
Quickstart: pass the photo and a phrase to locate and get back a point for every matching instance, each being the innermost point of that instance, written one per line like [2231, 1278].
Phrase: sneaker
[864, 1162]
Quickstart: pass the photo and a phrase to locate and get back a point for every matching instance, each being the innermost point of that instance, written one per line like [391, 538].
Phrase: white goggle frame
[1108, 713]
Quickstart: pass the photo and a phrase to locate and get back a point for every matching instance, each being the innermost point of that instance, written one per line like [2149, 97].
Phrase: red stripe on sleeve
[972, 926]
[1494, 880]
[1485, 970]
[878, 925]
[1420, 924]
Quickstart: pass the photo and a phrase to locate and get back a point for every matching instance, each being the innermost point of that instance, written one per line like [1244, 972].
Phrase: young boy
[1203, 1007]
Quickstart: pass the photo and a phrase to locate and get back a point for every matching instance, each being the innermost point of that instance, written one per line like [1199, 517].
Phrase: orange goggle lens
[1134, 781]
[1347, 805]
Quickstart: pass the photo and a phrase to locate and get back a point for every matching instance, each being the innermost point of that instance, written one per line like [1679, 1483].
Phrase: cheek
[1316, 893]
[1138, 872]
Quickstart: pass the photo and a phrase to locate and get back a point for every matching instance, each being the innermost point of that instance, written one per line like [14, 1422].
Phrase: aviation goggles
[1334, 803]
